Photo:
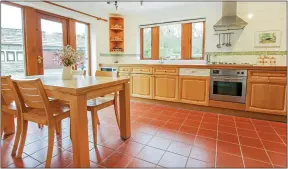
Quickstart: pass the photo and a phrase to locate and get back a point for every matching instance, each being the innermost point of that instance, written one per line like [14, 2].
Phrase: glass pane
[197, 39]
[82, 43]
[227, 88]
[147, 43]
[52, 40]
[170, 41]
[11, 40]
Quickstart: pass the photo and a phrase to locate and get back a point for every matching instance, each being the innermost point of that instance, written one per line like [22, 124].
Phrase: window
[170, 41]
[82, 43]
[19, 56]
[2, 56]
[10, 56]
[147, 43]
[173, 41]
[11, 39]
[197, 40]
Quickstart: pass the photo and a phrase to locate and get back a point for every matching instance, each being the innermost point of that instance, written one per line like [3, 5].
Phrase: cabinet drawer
[259, 74]
[124, 69]
[194, 72]
[142, 70]
[165, 71]
[124, 75]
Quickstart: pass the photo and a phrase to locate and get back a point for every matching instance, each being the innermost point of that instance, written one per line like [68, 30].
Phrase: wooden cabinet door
[165, 87]
[141, 85]
[194, 90]
[266, 97]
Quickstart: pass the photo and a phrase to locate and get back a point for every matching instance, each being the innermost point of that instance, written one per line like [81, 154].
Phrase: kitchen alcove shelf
[116, 33]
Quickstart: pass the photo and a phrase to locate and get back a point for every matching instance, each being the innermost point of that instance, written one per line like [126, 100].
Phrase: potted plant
[68, 57]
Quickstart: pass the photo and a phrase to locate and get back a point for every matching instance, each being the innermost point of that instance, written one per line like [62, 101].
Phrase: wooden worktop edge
[248, 67]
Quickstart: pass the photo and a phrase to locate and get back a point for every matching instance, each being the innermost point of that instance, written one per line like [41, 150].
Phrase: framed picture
[267, 39]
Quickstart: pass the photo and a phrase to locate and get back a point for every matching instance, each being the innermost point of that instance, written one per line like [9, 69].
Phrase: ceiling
[102, 8]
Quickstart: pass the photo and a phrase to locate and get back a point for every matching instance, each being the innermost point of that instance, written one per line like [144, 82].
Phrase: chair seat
[60, 111]
[99, 103]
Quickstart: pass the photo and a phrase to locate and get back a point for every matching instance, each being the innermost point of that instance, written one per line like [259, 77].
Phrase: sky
[11, 17]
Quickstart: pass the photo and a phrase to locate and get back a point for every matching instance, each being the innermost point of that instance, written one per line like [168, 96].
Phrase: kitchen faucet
[161, 61]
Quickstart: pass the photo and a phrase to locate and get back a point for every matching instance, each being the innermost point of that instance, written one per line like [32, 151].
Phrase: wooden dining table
[77, 91]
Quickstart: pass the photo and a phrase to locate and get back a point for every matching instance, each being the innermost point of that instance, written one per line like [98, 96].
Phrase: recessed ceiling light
[141, 4]
[250, 15]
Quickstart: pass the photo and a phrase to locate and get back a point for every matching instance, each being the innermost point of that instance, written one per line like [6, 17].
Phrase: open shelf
[116, 34]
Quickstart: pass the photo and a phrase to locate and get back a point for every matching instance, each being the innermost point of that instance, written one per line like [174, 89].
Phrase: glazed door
[52, 36]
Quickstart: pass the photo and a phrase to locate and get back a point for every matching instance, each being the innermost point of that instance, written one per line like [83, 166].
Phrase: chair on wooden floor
[35, 106]
[99, 103]
[9, 109]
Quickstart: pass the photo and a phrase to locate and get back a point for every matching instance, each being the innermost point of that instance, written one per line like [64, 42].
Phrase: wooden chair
[99, 103]
[9, 109]
[35, 107]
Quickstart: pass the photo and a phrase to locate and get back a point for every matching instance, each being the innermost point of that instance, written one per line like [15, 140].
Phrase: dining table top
[78, 84]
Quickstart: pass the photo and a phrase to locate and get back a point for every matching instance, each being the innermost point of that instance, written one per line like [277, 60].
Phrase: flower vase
[67, 73]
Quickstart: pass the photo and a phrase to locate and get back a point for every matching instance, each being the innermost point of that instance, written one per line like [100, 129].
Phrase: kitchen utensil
[223, 39]
[218, 45]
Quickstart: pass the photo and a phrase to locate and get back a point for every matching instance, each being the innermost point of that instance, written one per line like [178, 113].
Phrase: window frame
[186, 42]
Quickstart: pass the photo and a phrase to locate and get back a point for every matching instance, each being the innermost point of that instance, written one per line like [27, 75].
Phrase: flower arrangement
[68, 56]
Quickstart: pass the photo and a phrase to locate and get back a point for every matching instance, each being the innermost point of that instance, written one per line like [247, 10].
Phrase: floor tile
[177, 120]
[281, 131]
[251, 142]
[203, 154]
[180, 148]
[243, 120]
[26, 162]
[245, 126]
[144, 120]
[210, 126]
[168, 113]
[191, 123]
[157, 123]
[173, 160]
[210, 120]
[227, 129]
[187, 111]
[250, 163]
[63, 159]
[36, 146]
[163, 118]
[130, 148]
[207, 133]
[265, 129]
[194, 117]
[230, 148]
[196, 112]
[226, 123]
[172, 126]
[141, 138]
[278, 159]
[278, 124]
[226, 117]
[189, 130]
[231, 138]
[269, 137]
[229, 161]
[117, 160]
[180, 115]
[137, 163]
[254, 153]
[169, 134]
[247, 133]
[100, 153]
[150, 154]
[113, 143]
[205, 142]
[41, 155]
[257, 122]
[159, 142]
[193, 163]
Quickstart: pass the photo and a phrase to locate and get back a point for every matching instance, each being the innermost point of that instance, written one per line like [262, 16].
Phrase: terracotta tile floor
[164, 136]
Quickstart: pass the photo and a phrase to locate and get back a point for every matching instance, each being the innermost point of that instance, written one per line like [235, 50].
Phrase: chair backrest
[31, 94]
[106, 74]
[7, 94]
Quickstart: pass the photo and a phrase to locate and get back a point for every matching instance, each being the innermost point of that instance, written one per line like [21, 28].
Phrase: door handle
[39, 58]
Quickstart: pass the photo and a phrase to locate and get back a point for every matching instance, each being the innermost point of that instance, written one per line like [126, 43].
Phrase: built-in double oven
[228, 85]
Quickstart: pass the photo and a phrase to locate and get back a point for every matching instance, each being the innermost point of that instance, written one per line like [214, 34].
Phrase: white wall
[267, 16]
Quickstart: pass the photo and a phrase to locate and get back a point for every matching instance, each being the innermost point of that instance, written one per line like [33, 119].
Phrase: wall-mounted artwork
[267, 39]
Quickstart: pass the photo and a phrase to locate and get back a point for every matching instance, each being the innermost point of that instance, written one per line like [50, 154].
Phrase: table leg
[125, 122]
[79, 131]
[8, 125]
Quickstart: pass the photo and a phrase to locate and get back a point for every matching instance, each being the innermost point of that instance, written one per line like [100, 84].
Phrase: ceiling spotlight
[141, 4]
[116, 6]
[108, 2]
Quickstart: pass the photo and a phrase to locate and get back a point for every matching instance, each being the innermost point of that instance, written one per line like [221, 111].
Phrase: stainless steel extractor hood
[229, 20]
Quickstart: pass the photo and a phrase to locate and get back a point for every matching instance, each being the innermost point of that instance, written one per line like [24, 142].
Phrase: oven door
[227, 88]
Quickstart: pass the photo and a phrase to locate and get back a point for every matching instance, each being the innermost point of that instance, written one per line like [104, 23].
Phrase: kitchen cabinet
[194, 89]
[141, 85]
[266, 92]
[165, 87]
[165, 71]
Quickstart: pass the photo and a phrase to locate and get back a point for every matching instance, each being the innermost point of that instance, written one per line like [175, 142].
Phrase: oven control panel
[228, 72]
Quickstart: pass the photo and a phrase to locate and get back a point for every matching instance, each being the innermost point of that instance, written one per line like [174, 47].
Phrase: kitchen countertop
[201, 66]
